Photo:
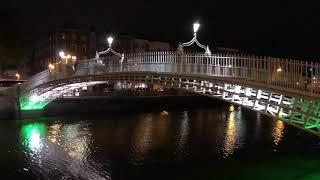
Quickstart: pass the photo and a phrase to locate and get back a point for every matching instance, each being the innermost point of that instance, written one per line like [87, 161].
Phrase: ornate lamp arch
[109, 50]
[194, 40]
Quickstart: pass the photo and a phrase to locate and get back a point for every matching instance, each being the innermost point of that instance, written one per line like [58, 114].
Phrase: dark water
[223, 142]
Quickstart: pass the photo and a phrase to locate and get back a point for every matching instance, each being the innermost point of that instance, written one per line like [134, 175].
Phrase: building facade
[84, 44]
[72, 41]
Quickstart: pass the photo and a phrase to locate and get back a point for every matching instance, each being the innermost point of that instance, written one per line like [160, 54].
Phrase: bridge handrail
[278, 73]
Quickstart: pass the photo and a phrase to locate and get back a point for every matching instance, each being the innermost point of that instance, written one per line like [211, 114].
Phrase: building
[71, 40]
[226, 50]
[159, 46]
[84, 43]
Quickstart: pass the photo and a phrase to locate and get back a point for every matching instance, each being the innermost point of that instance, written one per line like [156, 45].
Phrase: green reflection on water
[31, 135]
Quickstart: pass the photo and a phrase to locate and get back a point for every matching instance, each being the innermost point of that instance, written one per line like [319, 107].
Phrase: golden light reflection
[55, 133]
[278, 132]
[73, 138]
[231, 108]
[143, 138]
[76, 140]
[231, 134]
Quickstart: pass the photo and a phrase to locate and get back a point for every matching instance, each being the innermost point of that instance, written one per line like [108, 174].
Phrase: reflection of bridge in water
[281, 88]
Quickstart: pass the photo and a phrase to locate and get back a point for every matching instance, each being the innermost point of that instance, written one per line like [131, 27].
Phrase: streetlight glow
[18, 76]
[51, 66]
[196, 27]
[61, 54]
[279, 69]
[110, 40]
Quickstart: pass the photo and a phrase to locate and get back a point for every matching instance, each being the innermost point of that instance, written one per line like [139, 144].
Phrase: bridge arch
[276, 87]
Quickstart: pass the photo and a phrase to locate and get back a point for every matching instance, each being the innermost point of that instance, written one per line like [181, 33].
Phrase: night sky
[285, 28]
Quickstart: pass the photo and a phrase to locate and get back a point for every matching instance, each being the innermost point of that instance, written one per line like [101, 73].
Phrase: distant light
[279, 69]
[61, 54]
[196, 27]
[51, 66]
[110, 40]
[74, 57]
[314, 77]
[231, 108]
[68, 56]
[18, 76]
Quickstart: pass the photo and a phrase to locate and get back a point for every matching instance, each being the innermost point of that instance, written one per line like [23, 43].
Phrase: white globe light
[61, 54]
[110, 40]
[196, 27]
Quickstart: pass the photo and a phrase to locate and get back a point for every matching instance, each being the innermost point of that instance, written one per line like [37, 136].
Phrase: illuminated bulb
[110, 40]
[18, 76]
[279, 69]
[196, 27]
[51, 66]
[231, 108]
[74, 57]
[61, 54]
[68, 56]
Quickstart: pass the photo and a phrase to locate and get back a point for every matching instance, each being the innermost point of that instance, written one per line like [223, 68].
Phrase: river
[218, 142]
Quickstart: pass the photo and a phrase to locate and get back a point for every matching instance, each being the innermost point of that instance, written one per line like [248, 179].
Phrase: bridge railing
[300, 77]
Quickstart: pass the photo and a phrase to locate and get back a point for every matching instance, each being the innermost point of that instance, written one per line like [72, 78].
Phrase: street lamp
[110, 41]
[279, 69]
[63, 56]
[51, 67]
[196, 28]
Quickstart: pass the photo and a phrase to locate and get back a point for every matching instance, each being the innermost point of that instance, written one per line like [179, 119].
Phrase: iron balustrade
[294, 76]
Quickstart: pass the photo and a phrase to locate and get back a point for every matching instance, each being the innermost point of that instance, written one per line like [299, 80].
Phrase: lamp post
[109, 50]
[51, 67]
[64, 56]
[110, 41]
[196, 27]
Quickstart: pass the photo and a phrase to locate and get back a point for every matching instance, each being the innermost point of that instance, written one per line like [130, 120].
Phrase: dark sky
[273, 27]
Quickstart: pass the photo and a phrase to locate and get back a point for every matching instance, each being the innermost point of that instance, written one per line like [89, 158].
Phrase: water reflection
[142, 139]
[63, 151]
[32, 137]
[91, 149]
[55, 133]
[182, 135]
[184, 130]
[278, 132]
[234, 132]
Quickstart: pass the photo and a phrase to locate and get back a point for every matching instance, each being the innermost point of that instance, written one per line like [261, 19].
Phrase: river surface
[221, 142]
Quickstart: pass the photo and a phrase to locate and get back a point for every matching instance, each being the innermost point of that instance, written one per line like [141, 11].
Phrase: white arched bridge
[281, 88]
